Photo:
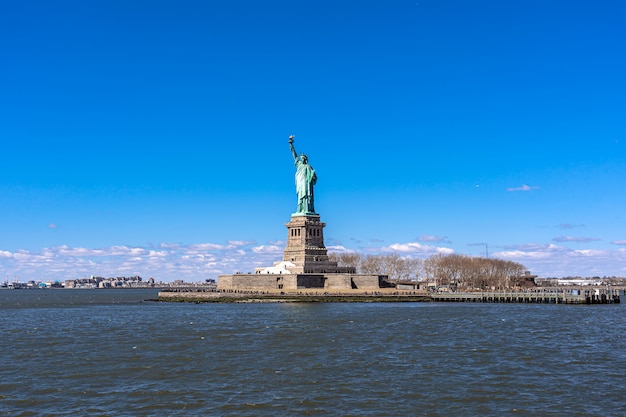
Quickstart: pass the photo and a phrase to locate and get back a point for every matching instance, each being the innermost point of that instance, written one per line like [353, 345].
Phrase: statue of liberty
[305, 180]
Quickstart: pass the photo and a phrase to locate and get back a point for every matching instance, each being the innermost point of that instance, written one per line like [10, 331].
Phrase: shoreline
[308, 297]
[552, 296]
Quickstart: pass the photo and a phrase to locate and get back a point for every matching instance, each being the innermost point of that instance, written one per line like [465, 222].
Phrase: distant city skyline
[151, 139]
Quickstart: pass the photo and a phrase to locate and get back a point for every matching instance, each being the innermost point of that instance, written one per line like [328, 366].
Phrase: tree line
[461, 271]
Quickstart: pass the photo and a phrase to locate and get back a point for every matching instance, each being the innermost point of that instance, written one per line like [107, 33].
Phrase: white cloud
[520, 255]
[169, 245]
[207, 246]
[524, 187]
[558, 261]
[619, 242]
[237, 243]
[339, 248]
[407, 247]
[445, 251]
[267, 249]
[592, 252]
[569, 226]
[416, 248]
[574, 239]
[432, 238]
[166, 262]
[196, 262]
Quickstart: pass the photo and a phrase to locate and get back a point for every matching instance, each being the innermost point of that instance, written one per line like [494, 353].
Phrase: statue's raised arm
[293, 150]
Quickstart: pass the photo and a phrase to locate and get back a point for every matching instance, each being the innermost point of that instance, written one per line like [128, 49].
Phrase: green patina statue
[305, 180]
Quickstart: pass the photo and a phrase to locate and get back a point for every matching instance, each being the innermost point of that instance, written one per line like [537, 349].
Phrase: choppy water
[104, 353]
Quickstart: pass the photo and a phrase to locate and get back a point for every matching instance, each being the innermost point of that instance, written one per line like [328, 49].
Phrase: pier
[565, 295]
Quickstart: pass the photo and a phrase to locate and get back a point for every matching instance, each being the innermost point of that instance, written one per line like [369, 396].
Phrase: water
[106, 353]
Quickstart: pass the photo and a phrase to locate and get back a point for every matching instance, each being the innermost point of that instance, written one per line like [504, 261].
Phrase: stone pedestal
[305, 246]
[305, 265]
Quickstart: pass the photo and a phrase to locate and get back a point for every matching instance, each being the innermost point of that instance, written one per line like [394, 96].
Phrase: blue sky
[150, 137]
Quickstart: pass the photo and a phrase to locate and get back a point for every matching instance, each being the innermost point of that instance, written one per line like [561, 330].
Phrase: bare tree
[402, 268]
[467, 272]
[370, 264]
[396, 267]
[349, 259]
[455, 271]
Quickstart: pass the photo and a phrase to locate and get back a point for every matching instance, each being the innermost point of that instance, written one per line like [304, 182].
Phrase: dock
[565, 295]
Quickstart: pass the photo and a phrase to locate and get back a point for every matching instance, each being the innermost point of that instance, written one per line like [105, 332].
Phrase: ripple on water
[158, 359]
